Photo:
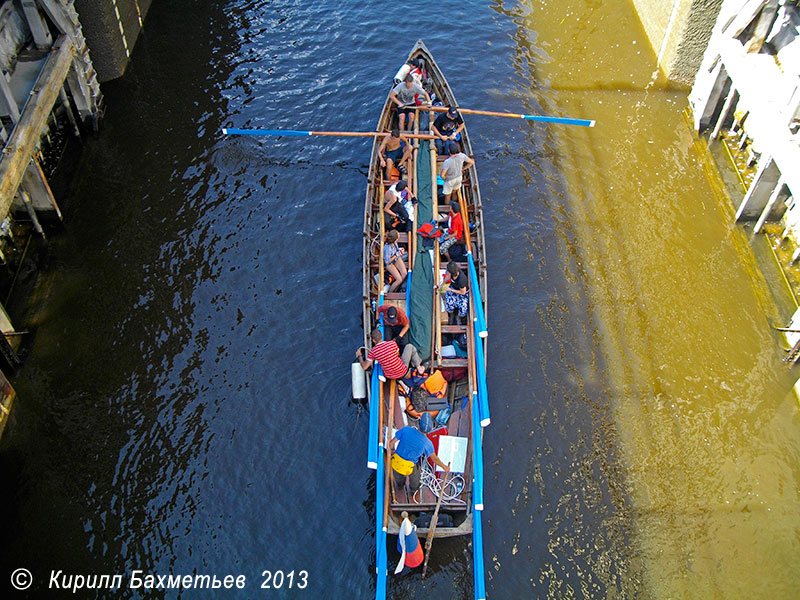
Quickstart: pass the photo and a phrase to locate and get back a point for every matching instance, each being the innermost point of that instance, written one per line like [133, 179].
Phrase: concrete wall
[111, 28]
[678, 31]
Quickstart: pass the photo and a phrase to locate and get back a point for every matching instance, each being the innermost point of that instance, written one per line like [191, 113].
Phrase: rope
[428, 479]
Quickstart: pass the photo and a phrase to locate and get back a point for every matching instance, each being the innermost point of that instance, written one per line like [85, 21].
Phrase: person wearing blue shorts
[447, 127]
[395, 150]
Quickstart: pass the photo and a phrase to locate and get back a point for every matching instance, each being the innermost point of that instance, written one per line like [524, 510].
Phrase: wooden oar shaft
[470, 111]
[432, 527]
[543, 118]
[389, 436]
[302, 133]
[424, 136]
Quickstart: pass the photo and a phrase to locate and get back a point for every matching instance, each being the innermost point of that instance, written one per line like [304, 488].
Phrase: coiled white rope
[428, 479]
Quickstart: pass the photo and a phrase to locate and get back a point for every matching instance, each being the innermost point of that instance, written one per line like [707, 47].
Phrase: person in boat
[410, 447]
[452, 169]
[398, 206]
[456, 296]
[394, 150]
[396, 324]
[393, 260]
[417, 72]
[406, 94]
[447, 127]
[452, 243]
[395, 365]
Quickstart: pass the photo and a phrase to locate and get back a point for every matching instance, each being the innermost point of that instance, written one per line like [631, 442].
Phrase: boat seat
[464, 266]
[394, 296]
[454, 328]
[445, 209]
[453, 362]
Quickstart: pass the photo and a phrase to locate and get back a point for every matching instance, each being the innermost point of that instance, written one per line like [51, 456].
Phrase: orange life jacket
[436, 385]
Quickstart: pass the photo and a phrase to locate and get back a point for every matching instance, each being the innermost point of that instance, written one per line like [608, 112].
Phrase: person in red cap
[396, 324]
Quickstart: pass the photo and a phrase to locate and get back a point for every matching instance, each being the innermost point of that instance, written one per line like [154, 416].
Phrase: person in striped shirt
[394, 364]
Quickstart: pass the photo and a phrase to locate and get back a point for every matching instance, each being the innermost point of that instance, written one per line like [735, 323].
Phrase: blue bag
[426, 423]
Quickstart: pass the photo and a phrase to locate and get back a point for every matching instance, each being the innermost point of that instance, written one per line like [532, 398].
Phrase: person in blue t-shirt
[410, 445]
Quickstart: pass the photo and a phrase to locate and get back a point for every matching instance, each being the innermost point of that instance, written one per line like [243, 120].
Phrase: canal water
[184, 407]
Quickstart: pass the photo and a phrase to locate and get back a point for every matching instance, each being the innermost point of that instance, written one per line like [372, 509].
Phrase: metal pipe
[26, 200]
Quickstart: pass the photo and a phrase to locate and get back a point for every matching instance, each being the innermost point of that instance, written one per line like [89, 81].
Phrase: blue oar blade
[562, 120]
[264, 132]
[479, 576]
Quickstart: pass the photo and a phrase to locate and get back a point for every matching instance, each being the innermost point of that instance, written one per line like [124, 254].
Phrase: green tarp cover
[420, 309]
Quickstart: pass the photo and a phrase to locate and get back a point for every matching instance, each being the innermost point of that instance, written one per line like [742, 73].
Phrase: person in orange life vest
[393, 260]
[395, 149]
[405, 94]
[410, 445]
[394, 364]
[455, 231]
[396, 324]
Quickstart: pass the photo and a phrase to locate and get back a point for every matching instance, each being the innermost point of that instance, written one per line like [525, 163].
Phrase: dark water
[185, 406]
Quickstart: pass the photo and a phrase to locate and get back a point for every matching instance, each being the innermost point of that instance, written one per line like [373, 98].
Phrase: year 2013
[276, 580]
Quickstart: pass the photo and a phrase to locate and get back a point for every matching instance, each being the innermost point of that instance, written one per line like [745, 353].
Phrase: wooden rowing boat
[428, 331]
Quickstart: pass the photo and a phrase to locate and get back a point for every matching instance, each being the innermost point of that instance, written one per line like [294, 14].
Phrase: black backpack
[419, 399]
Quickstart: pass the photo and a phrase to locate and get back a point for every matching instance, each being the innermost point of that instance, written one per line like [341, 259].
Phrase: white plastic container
[401, 74]
[359, 381]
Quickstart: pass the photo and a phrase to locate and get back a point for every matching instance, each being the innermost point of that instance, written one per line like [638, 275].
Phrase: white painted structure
[678, 32]
[751, 69]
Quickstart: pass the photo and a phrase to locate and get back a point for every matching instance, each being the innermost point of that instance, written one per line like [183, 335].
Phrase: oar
[295, 132]
[542, 118]
[432, 526]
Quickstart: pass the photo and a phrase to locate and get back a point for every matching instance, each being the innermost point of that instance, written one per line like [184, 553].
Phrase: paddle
[432, 527]
[390, 477]
[542, 118]
[294, 132]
